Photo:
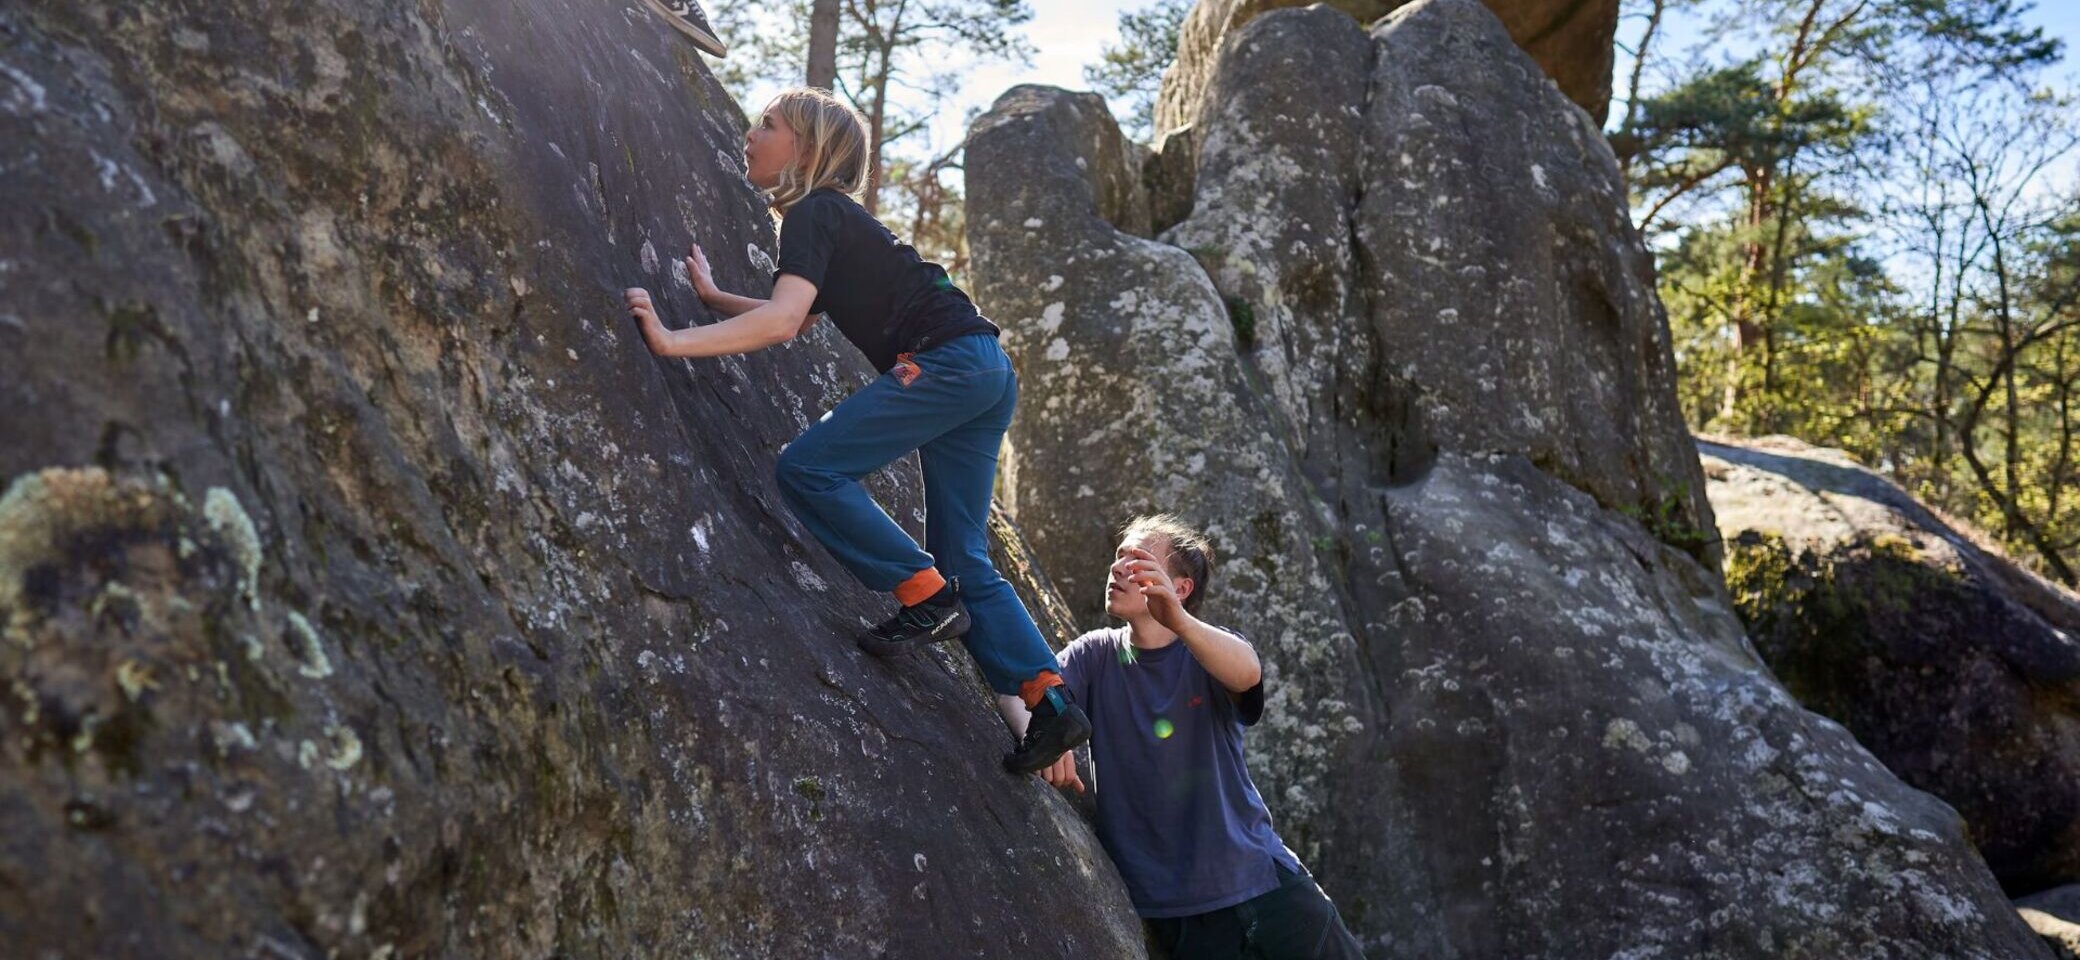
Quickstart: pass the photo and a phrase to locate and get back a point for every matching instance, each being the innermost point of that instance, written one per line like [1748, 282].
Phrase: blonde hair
[830, 146]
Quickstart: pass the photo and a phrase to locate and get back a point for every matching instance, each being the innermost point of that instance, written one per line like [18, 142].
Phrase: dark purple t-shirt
[1176, 809]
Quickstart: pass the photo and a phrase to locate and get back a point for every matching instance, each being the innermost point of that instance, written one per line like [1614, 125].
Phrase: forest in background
[1865, 212]
[1865, 219]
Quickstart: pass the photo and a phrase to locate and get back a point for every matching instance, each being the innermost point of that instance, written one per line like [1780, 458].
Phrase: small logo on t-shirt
[1196, 701]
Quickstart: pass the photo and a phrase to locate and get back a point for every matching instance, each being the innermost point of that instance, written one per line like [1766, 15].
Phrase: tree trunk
[876, 119]
[1747, 327]
[2010, 425]
[2064, 460]
[1639, 65]
[823, 44]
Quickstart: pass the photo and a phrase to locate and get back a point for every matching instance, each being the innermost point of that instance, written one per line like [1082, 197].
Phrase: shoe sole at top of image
[701, 36]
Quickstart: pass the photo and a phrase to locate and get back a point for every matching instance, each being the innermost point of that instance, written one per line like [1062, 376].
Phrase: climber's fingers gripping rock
[639, 305]
[697, 268]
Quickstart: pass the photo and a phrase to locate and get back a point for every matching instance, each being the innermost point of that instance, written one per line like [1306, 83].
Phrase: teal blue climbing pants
[951, 404]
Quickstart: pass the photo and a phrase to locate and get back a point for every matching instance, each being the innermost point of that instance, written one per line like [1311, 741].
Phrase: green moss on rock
[1815, 617]
[43, 514]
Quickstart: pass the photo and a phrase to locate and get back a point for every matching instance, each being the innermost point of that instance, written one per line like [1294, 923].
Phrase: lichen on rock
[229, 519]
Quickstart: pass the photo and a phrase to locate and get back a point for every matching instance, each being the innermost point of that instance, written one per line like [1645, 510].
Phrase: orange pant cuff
[919, 587]
[1032, 690]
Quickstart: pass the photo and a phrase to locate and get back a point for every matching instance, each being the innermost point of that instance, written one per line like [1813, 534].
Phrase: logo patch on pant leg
[906, 369]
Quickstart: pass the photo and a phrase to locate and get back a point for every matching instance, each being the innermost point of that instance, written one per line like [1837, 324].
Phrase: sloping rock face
[1570, 39]
[1274, 226]
[1583, 758]
[1958, 669]
[1549, 736]
[369, 590]
[1504, 270]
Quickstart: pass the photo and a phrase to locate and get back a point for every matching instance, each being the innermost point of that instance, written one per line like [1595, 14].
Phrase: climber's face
[769, 148]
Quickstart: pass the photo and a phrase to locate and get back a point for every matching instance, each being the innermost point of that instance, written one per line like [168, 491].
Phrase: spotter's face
[1122, 598]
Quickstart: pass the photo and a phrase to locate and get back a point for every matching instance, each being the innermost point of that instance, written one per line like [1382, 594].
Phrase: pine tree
[1130, 74]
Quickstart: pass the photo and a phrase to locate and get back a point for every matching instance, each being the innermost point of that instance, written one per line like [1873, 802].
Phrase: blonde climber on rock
[947, 392]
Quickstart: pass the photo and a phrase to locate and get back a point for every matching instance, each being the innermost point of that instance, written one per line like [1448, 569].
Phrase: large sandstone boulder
[1093, 312]
[1504, 277]
[369, 590]
[1200, 40]
[1583, 758]
[1570, 39]
[1508, 277]
[1957, 668]
[1272, 221]
[1549, 737]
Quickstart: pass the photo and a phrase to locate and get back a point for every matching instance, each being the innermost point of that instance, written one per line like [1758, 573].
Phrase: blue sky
[1068, 34]
[2058, 18]
[1071, 33]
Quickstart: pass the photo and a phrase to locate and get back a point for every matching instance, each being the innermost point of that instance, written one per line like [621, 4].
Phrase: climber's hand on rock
[639, 304]
[1062, 773]
[703, 277]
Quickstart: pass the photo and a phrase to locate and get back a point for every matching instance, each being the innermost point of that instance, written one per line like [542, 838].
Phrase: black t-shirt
[883, 296]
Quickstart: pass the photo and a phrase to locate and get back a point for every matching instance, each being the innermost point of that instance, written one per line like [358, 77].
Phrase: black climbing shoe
[686, 15]
[938, 618]
[1058, 726]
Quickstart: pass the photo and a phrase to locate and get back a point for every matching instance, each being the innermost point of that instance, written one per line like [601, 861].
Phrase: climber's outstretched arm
[774, 321]
[724, 302]
[729, 304]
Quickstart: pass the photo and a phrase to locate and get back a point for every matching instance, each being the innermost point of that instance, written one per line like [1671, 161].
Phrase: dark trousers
[1294, 922]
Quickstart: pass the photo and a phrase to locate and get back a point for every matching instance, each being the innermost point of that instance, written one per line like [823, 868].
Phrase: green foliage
[1668, 519]
[1816, 618]
[1983, 36]
[1243, 317]
[1734, 115]
[1859, 245]
[1130, 74]
[1825, 350]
